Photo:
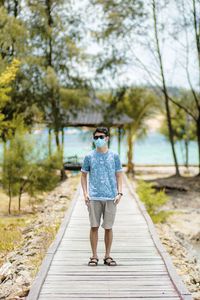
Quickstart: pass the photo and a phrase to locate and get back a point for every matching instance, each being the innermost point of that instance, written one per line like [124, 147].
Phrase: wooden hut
[96, 113]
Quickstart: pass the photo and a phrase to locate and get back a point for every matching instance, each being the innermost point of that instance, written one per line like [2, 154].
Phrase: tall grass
[10, 233]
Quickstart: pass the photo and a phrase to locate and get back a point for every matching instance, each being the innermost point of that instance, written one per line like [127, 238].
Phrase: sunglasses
[99, 136]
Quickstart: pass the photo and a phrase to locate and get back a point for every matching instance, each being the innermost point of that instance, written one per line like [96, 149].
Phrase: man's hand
[117, 199]
[87, 199]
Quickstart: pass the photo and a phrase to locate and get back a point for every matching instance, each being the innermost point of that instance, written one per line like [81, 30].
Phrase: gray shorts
[106, 209]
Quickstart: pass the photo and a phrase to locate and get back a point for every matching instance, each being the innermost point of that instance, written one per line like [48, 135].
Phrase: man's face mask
[99, 141]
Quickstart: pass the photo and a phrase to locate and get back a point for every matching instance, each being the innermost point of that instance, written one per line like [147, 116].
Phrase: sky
[172, 48]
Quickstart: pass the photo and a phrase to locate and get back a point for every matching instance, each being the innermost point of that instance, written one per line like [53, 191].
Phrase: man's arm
[119, 181]
[119, 186]
[84, 187]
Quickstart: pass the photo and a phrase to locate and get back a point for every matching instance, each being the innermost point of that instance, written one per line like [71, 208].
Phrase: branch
[182, 107]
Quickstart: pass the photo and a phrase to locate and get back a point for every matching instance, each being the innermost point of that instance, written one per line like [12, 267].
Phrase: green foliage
[119, 16]
[23, 173]
[16, 166]
[139, 104]
[153, 200]
[118, 24]
[59, 32]
[44, 174]
[46, 37]
[136, 102]
[6, 79]
[71, 99]
[13, 35]
[184, 126]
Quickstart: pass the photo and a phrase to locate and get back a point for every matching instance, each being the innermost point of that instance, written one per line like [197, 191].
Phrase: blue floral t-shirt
[102, 177]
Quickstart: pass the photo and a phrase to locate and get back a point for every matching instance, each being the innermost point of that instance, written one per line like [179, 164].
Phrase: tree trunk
[119, 140]
[63, 142]
[63, 175]
[19, 198]
[130, 165]
[171, 134]
[16, 5]
[198, 141]
[10, 198]
[197, 32]
[49, 141]
[4, 154]
[21, 190]
[164, 88]
[57, 139]
[186, 154]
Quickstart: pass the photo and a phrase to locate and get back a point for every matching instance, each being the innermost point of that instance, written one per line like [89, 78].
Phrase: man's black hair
[101, 130]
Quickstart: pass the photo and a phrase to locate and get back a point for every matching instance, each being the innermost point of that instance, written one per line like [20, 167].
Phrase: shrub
[44, 175]
[16, 166]
[153, 200]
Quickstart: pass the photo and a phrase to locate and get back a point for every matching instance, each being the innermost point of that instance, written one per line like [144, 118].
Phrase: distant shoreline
[164, 169]
[162, 165]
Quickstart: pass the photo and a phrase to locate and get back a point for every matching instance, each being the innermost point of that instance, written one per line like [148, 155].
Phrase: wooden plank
[99, 286]
[140, 269]
[61, 297]
[122, 294]
[135, 262]
[84, 277]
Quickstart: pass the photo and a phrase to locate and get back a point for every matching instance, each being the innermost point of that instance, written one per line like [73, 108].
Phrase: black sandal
[93, 261]
[112, 262]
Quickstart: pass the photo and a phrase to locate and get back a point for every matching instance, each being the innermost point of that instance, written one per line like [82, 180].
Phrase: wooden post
[62, 171]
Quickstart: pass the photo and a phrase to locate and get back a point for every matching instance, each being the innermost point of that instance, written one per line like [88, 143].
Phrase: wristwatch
[120, 194]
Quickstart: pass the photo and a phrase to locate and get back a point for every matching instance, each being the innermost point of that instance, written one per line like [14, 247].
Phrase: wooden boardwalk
[144, 271]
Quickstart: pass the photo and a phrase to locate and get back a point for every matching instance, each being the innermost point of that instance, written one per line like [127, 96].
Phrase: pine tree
[55, 36]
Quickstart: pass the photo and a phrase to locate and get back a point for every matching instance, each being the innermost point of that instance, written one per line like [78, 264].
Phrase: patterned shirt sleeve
[118, 165]
[86, 165]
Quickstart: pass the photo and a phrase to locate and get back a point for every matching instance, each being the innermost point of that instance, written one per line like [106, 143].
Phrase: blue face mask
[100, 142]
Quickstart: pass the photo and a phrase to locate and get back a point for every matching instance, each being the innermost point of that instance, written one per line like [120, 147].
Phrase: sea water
[153, 149]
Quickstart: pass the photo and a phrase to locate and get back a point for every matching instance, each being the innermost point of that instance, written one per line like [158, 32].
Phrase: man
[105, 191]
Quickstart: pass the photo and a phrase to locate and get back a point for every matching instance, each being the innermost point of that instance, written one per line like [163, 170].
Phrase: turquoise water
[154, 149]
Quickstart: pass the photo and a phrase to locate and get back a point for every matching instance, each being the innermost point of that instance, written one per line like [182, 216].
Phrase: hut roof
[95, 114]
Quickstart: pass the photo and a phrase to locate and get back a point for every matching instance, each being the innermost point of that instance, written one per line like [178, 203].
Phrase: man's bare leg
[108, 237]
[94, 240]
